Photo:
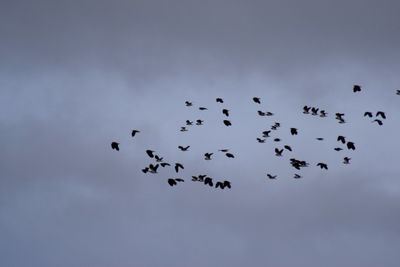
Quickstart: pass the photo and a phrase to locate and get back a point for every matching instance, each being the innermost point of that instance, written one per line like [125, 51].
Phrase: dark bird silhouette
[266, 133]
[219, 100]
[293, 131]
[224, 150]
[277, 140]
[227, 123]
[296, 176]
[261, 113]
[323, 114]
[171, 182]
[225, 112]
[350, 145]
[208, 181]
[257, 100]
[319, 138]
[177, 166]
[163, 164]
[183, 148]
[306, 110]
[273, 127]
[189, 123]
[227, 184]
[397, 92]
[314, 111]
[153, 168]
[134, 132]
[229, 155]
[277, 124]
[199, 122]
[338, 148]
[188, 104]
[278, 152]
[356, 88]
[346, 160]
[150, 153]
[202, 177]
[382, 114]
[339, 116]
[219, 184]
[207, 156]
[323, 165]
[341, 139]
[260, 140]
[367, 113]
[288, 147]
[202, 108]
[158, 159]
[378, 121]
[115, 145]
[145, 170]
[272, 177]
[269, 113]
[183, 129]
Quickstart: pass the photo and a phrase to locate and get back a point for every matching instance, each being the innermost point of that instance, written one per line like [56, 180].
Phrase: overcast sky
[77, 75]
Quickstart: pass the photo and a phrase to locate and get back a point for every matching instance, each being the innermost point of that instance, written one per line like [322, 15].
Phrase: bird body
[134, 132]
[115, 145]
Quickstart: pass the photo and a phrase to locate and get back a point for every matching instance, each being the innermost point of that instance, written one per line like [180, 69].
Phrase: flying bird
[224, 150]
[287, 147]
[346, 160]
[145, 170]
[153, 168]
[314, 111]
[225, 112]
[177, 166]
[219, 184]
[306, 110]
[227, 184]
[134, 132]
[266, 133]
[278, 152]
[397, 92]
[277, 139]
[296, 176]
[382, 114]
[219, 100]
[378, 121]
[172, 181]
[229, 155]
[183, 148]
[158, 159]
[257, 100]
[189, 123]
[323, 114]
[183, 129]
[356, 88]
[338, 148]
[208, 181]
[202, 108]
[269, 113]
[163, 164]
[188, 104]
[199, 122]
[207, 156]
[341, 139]
[323, 165]
[261, 140]
[272, 177]
[367, 113]
[261, 113]
[319, 138]
[293, 131]
[227, 123]
[350, 145]
[150, 153]
[115, 145]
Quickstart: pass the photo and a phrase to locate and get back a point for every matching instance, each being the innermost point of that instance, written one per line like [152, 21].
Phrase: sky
[77, 75]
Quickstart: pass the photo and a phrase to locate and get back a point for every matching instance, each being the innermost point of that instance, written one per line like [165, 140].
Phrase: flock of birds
[152, 168]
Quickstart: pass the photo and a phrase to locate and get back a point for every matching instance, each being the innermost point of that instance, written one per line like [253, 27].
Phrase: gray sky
[76, 75]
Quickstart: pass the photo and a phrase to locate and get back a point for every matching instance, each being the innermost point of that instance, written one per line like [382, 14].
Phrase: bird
[219, 100]
[224, 150]
[319, 138]
[356, 88]
[199, 122]
[227, 123]
[382, 114]
[207, 156]
[266, 133]
[208, 181]
[115, 145]
[323, 165]
[261, 113]
[134, 132]
[277, 124]
[183, 148]
[219, 184]
[278, 152]
[261, 140]
[227, 184]
[287, 147]
[323, 113]
[277, 140]
[339, 116]
[177, 166]
[188, 104]
[158, 159]
[346, 160]
[350, 145]
[145, 170]
[269, 113]
[189, 123]
[272, 177]
[153, 168]
[163, 164]
[293, 131]
[273, 127]
[257, 100]
[296, 176]
[306, 110]
[314, 111]
[378, 121]
[341, 139]
[338, 148]
[150, 153]
[202, 177]
[367, 113]
[225, 112]
[171, 182]
[202, 108]
[183, 129]
[229, 155]
[397, 92]
[341, 120]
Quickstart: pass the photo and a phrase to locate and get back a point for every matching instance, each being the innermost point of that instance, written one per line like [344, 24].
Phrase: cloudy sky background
[76, 75]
